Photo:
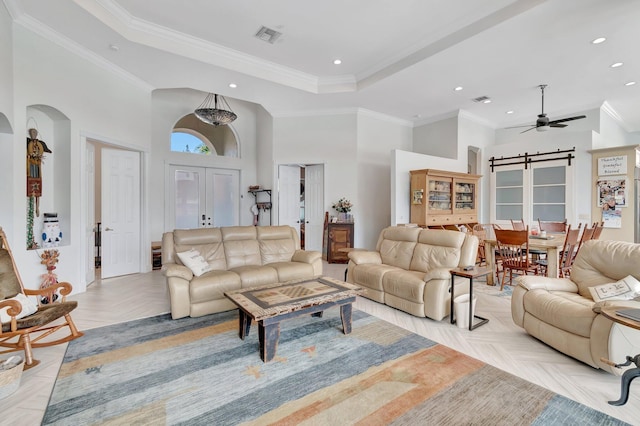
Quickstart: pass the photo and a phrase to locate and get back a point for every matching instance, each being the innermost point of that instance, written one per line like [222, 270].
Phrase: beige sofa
[410, 269]
[562, 313]
[241, 256]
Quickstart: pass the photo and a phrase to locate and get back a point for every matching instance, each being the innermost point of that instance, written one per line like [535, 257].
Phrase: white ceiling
[401, 58]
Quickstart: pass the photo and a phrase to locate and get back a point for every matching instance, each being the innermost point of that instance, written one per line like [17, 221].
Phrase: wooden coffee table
[269, 305]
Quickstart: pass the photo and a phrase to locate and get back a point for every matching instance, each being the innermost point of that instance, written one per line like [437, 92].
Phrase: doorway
[301, 202]
[113, 238]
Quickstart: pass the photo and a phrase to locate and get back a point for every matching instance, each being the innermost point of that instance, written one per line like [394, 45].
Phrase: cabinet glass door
[439, 195]
[465, 196]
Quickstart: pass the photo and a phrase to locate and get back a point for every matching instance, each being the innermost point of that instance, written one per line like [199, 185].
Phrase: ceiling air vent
[268, 35]
[481, 99]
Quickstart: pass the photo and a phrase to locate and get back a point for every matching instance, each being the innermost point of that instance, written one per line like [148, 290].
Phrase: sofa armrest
[175, 270]
[360, 256]
[305, 256]
[437, 274]
[533, 282]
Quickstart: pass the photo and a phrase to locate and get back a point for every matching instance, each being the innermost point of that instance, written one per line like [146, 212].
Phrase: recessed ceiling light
[616, 65]
[337, 61]
[630, 83]
[233, 85]
[598, 40]
[509, 112]
[459, 88]
[486, 101]
[114, 47]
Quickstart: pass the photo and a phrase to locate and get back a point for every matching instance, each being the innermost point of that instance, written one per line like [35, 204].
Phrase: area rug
[196, 371]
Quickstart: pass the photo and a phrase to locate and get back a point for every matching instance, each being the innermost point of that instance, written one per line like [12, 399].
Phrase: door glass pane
[509, 195]
[549, 175]
[506, 212]
[509, 178]
[549, 194]
[187, 198]
[549, 212]
[223, 200]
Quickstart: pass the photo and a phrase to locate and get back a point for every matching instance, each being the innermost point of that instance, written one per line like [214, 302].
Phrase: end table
[476, 272]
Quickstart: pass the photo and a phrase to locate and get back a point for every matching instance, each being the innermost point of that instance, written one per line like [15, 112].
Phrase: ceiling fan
[543, 123]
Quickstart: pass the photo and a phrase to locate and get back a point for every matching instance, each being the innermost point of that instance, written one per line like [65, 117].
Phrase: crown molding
[608, 109]
[385, 117]
[435, 118]
[478, 120]
[314, 113]
[14, 8]
[39, 28]
[146, 33]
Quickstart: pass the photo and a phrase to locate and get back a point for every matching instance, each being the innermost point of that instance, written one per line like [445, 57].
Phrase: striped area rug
[196, 371]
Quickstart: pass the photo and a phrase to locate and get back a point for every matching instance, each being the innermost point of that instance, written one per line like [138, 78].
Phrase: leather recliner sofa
[562, 313]
[240, 257]
[410, 269]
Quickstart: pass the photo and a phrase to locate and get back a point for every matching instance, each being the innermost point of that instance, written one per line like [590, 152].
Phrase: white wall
[439, 139]
[376, 138]
[6, 71]
[114, 108]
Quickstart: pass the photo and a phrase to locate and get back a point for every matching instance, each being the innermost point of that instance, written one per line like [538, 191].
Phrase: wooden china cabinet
[439, 198]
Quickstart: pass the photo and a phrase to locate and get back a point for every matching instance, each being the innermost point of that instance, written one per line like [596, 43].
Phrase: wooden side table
[632, 373]
[476, 272]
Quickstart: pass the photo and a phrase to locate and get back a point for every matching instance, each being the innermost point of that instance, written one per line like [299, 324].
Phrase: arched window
[196, 137]
[188, 142]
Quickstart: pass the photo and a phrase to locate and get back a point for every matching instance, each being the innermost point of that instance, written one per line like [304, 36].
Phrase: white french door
[201, 197]
[542, 191]
[289, 196]
[314, 206]
[120, 212]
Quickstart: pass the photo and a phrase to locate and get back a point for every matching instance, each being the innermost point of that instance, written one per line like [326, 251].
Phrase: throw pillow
[28, 307]
[193, 260]
[626, 289]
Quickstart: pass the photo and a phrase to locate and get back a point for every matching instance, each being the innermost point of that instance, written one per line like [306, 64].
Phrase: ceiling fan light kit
[543, 123]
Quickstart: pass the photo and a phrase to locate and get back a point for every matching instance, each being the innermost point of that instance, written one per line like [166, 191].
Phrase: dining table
[551, 244]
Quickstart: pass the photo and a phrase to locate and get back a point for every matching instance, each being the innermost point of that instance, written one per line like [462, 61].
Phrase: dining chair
[480, 232]
[587, 235]
[517, 225]
[567, 254]
[513, 250]
[598, 230]
[552, 227]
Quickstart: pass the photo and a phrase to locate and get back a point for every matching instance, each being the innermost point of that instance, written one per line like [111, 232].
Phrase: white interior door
[90, 179]
[314, 206]
[120, 212]
[289, 196]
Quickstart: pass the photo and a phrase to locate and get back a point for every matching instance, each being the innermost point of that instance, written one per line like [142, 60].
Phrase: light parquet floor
[499, 343]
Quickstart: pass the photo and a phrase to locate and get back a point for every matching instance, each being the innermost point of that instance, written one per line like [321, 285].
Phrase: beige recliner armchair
[561, 312]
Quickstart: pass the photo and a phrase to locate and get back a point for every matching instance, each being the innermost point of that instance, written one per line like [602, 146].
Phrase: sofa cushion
[212, 285]
[370, 275]
[601, 262]
[242, 253]
[437, 249]
[567, 311]
[276, 243]
[255, 276]
[396, 245]
[407, 285]
[292, 270]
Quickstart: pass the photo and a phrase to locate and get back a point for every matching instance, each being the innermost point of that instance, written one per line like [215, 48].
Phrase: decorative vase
[342, 217]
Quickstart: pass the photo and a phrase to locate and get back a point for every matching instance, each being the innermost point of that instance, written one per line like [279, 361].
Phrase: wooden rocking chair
[35, 330]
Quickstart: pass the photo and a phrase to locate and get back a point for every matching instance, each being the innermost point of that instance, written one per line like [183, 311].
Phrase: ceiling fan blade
[562, 120]
[524, 131]
[557, 125]
[519, 127]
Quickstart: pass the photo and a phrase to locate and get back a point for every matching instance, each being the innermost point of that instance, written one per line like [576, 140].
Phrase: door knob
[108, 229]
